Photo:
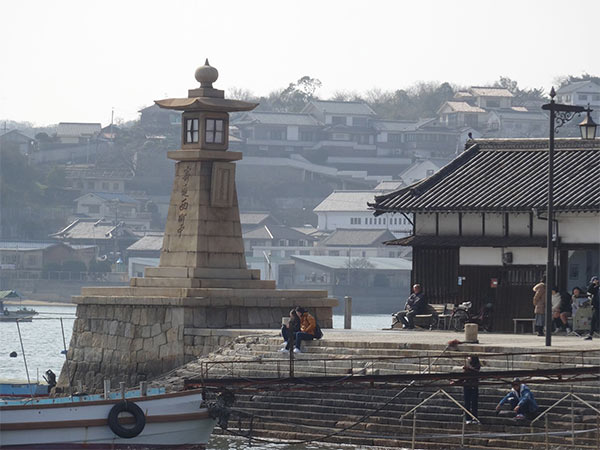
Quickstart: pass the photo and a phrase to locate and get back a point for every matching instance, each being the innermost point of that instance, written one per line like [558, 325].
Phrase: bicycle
[462, 314]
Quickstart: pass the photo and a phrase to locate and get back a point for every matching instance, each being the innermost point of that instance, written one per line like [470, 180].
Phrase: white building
[349, 210]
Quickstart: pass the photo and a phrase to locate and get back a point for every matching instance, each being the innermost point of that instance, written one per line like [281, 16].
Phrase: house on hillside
[349, 209]
[516, 122]
[112, 205]
[112, 240]
[26, 145]
[456, 114]
[77, 132]
[155, 117]
[486, 97]
[357, 243]
[377, 285]
[90, 178]
[251, 220]
[479, 224]
[268, 246]
[33, 257]
[278, 133]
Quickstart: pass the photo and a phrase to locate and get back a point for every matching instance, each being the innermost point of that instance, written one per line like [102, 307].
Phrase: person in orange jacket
[308, 326]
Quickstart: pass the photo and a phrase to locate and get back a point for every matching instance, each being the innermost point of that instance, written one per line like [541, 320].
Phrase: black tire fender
[135, 411]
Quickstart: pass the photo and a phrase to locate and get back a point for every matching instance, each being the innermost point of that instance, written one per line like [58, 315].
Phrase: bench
[428, 320]
[522, 322]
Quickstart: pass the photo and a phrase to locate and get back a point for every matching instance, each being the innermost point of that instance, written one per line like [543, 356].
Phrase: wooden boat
[22, 314]
[156, 420]
[21, 389]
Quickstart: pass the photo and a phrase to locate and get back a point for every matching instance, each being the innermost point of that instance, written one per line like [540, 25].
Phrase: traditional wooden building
[479, 227]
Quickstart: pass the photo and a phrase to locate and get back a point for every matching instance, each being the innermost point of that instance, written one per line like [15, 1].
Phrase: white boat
[157, 420]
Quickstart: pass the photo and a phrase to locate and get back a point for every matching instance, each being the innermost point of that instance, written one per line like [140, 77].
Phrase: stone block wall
[135, 339]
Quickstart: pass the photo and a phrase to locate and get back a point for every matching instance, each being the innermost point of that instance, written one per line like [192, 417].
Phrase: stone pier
[202, 284]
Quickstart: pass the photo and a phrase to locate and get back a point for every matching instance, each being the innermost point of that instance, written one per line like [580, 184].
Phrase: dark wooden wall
[437, 269]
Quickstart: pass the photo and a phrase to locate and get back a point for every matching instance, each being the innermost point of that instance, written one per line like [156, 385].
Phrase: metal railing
[427, 362]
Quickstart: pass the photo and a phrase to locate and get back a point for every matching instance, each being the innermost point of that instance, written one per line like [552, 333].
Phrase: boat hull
[172, 421]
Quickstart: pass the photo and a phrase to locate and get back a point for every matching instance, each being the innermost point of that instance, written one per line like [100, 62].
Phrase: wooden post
[547, 443]
[122, 389]
[462, 433]
[572, 418]
[414, 430]
[144, 388]
[106, 389]
[347, 312]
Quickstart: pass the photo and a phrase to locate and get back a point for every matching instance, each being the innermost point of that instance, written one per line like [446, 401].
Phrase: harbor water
[42, 341]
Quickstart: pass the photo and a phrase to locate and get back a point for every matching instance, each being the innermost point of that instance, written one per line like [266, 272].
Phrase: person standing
[471, 387]
[539, 303]
[593, 290]
[415, 304]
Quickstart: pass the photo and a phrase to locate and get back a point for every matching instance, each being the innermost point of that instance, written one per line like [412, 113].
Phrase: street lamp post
[559, 115]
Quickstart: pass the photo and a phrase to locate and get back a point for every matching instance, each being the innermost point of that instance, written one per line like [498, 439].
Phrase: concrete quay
[374, 411]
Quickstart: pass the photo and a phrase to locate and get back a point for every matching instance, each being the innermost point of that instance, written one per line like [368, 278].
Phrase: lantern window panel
[191, 131]
[215, 131]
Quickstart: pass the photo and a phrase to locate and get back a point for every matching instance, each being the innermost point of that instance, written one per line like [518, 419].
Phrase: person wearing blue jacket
[521, 400]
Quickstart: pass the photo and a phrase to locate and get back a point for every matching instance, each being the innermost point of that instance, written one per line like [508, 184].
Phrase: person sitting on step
[308, 326]
[415, 304]
[289, 329]
[521, 401]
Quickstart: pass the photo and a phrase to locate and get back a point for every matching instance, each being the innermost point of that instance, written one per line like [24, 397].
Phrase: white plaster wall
[292, 133]
[518, 225]
[425, 224]
[471, 224]
[528, 255]
[579, 228]
[480, 256]
[382, 136]
[448, 224]
[540, 227]
[349, 121]
[494, 224]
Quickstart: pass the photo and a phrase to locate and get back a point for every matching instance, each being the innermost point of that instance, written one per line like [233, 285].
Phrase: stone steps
[371, 434]
[304, 413]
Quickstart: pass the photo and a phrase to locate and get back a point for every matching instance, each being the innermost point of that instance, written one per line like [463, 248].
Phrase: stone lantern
[203, 225]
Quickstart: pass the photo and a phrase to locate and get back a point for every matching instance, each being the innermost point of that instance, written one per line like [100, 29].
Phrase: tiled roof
[357, 238]
[78, 129]
[112, 196]
[25, 245]
[147, 243]
[463, 107]
[341, 262]
[469, 241]
[334, 107]
[252, 218]
[97, 230]
[578, 85]
[395, 125]
[521, 115]
[280, 118]
[276, 232]
[497, 175]
[490, 92]
[352, 201]
[389, 185]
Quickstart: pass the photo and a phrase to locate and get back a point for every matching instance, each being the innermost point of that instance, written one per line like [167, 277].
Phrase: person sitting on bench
[521, 401]
[415, 304]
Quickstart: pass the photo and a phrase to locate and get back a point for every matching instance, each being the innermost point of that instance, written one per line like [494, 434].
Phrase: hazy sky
[76, 60]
